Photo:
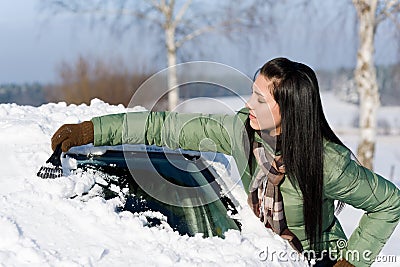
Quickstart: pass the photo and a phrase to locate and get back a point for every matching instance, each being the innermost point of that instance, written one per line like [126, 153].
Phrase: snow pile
[50, 223]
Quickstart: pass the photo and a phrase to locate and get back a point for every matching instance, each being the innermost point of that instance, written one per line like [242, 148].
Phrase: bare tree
[89, 78]
[370, 14]
[180, 20]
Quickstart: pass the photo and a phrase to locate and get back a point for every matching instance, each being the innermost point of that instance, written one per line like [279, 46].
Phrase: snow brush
[53, 167]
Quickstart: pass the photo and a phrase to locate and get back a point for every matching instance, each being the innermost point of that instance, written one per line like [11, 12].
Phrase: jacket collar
[271, 143]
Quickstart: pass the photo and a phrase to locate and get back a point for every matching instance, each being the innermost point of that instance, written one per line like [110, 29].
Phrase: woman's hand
[70, 135]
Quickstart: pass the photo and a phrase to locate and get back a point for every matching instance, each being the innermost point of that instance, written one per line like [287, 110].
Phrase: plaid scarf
[266, 198]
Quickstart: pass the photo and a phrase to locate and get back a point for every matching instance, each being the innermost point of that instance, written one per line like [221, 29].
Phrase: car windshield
[190, 216]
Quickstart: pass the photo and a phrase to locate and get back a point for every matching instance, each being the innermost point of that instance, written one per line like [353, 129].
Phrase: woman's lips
[252, 117]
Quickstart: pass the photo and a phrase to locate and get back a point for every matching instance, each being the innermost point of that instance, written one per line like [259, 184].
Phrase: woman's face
[264, 110]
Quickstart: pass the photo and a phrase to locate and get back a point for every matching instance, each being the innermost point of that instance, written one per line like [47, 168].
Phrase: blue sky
[32, 44]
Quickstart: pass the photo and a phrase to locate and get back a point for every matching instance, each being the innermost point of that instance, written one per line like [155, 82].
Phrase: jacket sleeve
[349, 182]
[201, 132]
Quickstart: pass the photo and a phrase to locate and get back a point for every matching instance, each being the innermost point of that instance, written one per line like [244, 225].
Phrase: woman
[292, 165]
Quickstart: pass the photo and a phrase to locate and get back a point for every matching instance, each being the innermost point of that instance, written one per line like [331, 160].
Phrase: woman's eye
[261, 100]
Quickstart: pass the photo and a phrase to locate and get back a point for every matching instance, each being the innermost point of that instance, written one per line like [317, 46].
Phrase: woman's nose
[248, 105]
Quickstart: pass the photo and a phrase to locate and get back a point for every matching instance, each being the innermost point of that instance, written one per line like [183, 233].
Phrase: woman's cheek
[254, 124]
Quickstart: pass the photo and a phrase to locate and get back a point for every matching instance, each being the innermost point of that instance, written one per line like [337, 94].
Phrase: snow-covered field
[40, 225]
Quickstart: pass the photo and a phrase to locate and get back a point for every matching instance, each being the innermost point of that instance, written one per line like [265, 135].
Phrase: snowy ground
[40, 225]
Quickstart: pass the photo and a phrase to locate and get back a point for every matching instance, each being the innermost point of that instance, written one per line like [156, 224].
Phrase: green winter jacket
[344, 179]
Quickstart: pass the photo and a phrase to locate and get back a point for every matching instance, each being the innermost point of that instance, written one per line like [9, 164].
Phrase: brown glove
[70, 135]
[343, 263]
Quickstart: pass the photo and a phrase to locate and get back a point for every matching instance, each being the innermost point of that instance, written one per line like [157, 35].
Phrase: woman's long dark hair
[304, 126]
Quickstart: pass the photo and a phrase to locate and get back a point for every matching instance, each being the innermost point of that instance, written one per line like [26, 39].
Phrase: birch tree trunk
[365, 77]
[170, 24]
[173, 95]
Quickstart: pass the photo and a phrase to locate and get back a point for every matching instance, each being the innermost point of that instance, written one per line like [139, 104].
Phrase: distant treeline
[86, 79]
[22, 94]
[341, 82]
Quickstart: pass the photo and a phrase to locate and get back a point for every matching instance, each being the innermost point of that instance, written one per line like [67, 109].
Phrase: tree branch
[157, 5]
[194, 34]
[181, 12]
[390, 9]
